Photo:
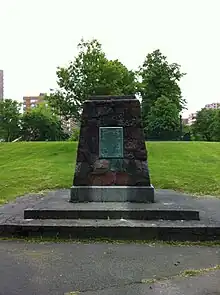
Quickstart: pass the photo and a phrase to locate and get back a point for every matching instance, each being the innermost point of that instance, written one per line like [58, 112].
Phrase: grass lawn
[192, 167]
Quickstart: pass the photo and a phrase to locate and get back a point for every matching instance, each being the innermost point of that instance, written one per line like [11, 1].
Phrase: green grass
[192, 167]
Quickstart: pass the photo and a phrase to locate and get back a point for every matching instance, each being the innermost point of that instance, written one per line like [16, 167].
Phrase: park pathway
[49, 268]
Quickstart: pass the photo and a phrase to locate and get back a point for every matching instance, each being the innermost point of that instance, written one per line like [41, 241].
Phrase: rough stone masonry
[111, 162]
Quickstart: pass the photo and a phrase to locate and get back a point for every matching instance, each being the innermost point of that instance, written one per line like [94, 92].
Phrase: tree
[9, 119]
[90, 73]
[163, 120]
[40, 124]
[206, 120]
[159, 78]
[186, 132]
[215, 127]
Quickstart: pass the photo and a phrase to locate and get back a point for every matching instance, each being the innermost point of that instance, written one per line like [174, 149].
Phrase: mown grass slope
[25, 167]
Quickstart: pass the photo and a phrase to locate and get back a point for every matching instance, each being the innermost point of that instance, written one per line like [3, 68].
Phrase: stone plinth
[111, 162]
[136, 194]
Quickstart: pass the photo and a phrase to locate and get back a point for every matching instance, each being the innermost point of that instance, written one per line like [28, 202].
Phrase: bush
[75, 134]
[40, 124]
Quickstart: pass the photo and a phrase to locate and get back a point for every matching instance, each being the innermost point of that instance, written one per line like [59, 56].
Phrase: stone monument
[111, 164]
[111, 196]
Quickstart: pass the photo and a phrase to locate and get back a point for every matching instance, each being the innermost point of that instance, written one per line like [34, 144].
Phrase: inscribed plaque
[111, 142]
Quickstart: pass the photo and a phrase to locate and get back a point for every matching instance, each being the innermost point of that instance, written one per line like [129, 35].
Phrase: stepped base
[116, 220]
[131, 211]
[113, 229]
[136, 194]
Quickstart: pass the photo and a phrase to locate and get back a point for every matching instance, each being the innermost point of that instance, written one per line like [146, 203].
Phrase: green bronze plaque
[111, 142]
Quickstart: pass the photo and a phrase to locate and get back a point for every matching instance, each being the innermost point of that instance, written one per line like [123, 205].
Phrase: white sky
[36, 36]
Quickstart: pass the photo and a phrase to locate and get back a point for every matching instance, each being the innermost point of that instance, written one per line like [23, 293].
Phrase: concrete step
[112, 229]
[106, 211]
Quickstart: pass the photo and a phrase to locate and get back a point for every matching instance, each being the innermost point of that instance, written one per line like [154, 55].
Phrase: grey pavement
[207, 284]
[209, 207]
[12, 222]
[48, 268]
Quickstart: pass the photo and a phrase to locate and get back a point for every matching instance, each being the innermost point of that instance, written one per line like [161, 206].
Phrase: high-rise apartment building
[30, 102]
[214, 105]
[1, 84]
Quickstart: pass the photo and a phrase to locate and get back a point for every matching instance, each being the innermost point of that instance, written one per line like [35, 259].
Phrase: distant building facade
[1, 84]
[185, 121]
[214, 105]
[30, 102]
[191, 119]
[69, 125]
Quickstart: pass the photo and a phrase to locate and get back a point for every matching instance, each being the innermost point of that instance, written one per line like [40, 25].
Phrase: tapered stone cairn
[111, 164]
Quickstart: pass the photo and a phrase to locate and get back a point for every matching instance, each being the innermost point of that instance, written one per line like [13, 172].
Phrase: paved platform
[59, 207]
[12, 222]
[101, 269]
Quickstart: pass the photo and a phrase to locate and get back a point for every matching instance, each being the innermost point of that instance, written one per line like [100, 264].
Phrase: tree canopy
[9, 119]
[40, 124]
[163, 120]
[216, 126]
[160, 79]
[207, 125]
[90, 73]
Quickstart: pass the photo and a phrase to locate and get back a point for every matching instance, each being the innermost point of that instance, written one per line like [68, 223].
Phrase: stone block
[138, 194]
[111, 149]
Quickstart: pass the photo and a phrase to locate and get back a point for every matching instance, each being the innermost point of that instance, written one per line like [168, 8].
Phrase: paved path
[208, 284]
[56, 269]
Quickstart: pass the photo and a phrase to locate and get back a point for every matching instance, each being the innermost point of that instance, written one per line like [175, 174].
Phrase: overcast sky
[36, 36]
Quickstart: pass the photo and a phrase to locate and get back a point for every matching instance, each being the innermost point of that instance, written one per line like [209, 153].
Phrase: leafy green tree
[215, 127]
[159, 78]
[163, 120]
[203, 126]
[9, 119]
[40, 124]
[90, 73]
[186, 132]
[186, 128]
